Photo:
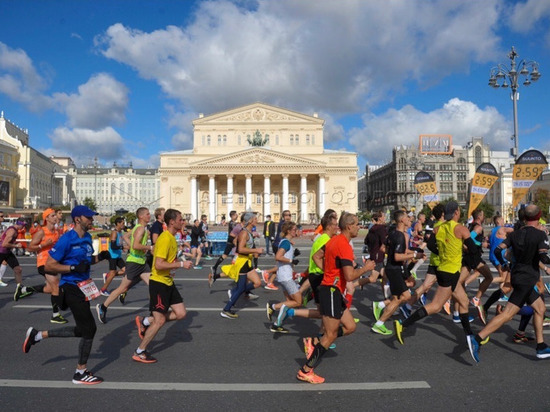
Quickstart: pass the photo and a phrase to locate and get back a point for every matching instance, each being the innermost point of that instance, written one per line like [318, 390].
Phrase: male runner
[135, 263]
[7, 244]
[163, 294]
[337, 318]
[42, 242]
[117, 266]
[72, 257]
[269, 234]
[214, 275]
[529, 247]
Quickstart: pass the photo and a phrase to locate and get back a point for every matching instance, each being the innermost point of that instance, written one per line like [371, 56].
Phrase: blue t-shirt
[71, 249]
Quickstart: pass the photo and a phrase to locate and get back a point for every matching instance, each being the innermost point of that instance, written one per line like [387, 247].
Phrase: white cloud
[524, 15]
[459, 118]
[100, 102]
[20, 81]
[105, 143]
[338, 57]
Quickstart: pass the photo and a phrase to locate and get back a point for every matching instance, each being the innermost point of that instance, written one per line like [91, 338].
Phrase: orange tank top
[43, 254]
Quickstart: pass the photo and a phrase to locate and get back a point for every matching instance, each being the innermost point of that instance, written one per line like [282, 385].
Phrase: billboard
[438, 144]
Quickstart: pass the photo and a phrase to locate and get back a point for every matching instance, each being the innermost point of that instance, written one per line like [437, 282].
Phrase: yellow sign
[523, 179]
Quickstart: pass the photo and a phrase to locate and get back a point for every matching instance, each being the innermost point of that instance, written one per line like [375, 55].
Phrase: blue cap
[82, 210]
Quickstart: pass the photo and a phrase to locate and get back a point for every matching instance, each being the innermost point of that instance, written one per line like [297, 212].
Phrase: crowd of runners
[393, 253]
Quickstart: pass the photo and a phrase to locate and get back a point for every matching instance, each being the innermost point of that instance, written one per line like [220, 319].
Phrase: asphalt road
[206, 362]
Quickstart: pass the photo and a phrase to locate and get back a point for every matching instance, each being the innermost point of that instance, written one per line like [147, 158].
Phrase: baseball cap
[82, 210]
[21, 222]
[450, 209]
[47, 212]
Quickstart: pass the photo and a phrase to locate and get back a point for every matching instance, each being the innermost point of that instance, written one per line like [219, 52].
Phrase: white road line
[220, 387]
[133, 308]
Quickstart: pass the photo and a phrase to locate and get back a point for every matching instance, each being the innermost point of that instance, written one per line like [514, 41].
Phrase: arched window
[291, 139]
[219, 140]
[477, 155]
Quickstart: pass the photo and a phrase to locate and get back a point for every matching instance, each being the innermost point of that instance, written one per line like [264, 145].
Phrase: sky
[122, 80]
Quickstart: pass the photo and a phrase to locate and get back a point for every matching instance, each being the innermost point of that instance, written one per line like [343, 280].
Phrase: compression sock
[416, 316]
[316, 356]
[465, 321]
[496, 295]
[38, 288]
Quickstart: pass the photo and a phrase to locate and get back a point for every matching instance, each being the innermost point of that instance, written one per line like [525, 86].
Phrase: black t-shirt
[196, 233]
[374, 240]
[157, 228]
[396, 244]
[526, 243]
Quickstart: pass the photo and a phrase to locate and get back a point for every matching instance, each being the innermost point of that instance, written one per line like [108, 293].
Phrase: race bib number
[89, 288]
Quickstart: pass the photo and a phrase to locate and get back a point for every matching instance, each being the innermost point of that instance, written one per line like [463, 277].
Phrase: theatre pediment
[258, 113]
[254, 157]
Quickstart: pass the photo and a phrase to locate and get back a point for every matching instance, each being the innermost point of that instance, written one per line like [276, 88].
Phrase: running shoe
[3, 284]
[543, 353]
[518, 338]
[356, 320]
[271, 286]
[310, 377]
[447, 307]
[122, 298]
[143, 357]
[503, 299]
[228, 314]
[252, 296]
[29, 339]
[210, 280]
[405, 311]
[475, 301]
[269, 311]
[86, 378]
[413, 274]
[282, 314]
[58, 319]
[474, 347]
[101, 312]
[381, 329]
[265, 276]
[197, 267]
[140, 327]
[377, 310]
[308, 347]
[423, 299]
[207, 257]
[546, 322]
[456, 319]
[482, 314]
[547, 287]
[104, 292]
[278, 329]
[19, 294]
[484, 341]
[398, 328]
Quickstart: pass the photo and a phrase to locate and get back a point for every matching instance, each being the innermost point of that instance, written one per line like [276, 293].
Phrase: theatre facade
[262, 158]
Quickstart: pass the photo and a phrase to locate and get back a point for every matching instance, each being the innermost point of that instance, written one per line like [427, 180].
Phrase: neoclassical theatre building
[262, 158]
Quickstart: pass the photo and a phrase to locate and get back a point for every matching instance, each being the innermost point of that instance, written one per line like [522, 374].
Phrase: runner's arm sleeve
[543, 256]
[498, 255]
[470, 244]
[432, 244]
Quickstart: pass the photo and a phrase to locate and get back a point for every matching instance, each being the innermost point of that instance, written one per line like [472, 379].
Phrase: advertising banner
[425, 185]
[527, 169]
[485, 177]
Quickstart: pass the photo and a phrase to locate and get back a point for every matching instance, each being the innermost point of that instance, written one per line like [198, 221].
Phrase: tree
[89, 202]
[488, 209]
[542, 200]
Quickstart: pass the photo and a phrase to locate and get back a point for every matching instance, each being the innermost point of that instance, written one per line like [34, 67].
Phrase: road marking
[220, 387]
[133, 308]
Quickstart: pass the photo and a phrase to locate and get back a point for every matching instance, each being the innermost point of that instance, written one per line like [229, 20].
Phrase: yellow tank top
[450, 248]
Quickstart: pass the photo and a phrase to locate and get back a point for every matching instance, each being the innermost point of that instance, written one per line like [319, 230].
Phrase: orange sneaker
[309, 377]
[141, 328]
[271, 286]
[447, 307]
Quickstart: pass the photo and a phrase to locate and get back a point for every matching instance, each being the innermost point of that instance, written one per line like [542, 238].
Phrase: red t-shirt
[338, 253]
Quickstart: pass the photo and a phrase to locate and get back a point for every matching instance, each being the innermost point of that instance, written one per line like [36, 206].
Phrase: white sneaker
[2, 284]
[252, 296]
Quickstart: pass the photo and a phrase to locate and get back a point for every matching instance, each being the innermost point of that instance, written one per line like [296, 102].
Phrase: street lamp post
[502, 76]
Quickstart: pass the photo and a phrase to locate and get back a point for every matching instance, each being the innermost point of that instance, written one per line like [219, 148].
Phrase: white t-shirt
[284, 270]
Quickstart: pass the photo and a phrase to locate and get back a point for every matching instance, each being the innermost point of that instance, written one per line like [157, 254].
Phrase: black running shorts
[162, 296]
[446, 279]
[331, 302]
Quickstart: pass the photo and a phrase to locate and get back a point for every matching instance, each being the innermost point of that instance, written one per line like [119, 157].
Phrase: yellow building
[258, 157]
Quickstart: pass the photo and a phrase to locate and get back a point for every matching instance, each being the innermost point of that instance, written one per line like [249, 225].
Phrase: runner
[42, 242]
[450, 236]
[72, 257]
[229, 246]
[196, 250]
[117, 266]
[136, 263]
[337, 318]
[7, 244]
[165, 301]
[529, 247]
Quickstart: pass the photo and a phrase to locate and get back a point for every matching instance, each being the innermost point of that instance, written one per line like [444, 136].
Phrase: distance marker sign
[527, 169]
[425, 185]
[484, 178]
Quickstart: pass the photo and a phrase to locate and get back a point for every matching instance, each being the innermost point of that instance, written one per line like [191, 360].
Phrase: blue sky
[122, 80]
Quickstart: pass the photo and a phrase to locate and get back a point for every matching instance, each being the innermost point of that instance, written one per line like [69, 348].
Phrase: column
[229, 195]
[303, 199]
[193, 210]
[211, 198]
[284, 200]
[321, 200]
[267, 195]
[248, 200]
